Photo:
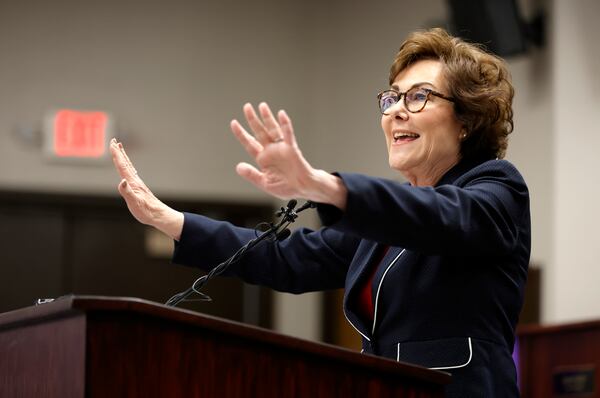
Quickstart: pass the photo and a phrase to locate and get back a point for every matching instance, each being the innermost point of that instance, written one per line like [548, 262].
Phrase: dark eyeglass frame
[402, 95]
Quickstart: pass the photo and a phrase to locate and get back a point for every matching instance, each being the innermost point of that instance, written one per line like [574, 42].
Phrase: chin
[397, 168]
[398, 164]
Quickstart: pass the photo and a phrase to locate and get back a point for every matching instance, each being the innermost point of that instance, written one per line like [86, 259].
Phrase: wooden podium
[86, 346]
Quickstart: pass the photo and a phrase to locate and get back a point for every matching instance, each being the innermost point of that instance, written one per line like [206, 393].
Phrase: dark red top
[366, 306]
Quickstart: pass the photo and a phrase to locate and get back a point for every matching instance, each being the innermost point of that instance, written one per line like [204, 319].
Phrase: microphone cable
[275, 232]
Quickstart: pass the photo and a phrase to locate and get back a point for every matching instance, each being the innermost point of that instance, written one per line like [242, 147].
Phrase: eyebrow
[396, 87]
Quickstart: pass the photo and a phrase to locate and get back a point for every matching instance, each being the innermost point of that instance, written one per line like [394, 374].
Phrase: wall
[576, 57]
[531, 147]
[173, 75]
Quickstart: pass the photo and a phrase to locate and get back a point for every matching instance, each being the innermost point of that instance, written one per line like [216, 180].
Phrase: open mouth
[405, 137]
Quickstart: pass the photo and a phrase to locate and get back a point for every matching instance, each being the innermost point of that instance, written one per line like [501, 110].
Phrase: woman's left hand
[282, 170]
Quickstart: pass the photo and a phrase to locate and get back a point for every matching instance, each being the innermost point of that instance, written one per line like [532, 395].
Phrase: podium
[90, 346]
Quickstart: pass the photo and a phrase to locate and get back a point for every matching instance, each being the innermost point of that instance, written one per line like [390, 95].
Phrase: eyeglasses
[415, 99]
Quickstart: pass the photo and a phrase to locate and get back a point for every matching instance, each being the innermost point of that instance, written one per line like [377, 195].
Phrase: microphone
[291, 204]
[291, 215]
[308, 205]
[287, 211]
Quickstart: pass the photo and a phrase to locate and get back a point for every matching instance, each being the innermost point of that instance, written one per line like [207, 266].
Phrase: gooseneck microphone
[275, 232]
[307, 205]
[283, 235]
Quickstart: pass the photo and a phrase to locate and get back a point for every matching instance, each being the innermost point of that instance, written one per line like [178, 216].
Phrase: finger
[121, 160]
[136, 201]
[250, 173]
[250, 144]
[287, 130]
[256, 125]
[132, 169]
[118, 159]
[125, 190]
[272, 127]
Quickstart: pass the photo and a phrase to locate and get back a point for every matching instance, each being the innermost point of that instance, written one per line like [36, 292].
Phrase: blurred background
[173, 74]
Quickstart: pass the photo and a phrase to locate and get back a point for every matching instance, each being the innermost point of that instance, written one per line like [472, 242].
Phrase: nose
[398, 110]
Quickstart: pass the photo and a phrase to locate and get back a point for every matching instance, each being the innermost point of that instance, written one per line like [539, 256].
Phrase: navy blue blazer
[447, 294]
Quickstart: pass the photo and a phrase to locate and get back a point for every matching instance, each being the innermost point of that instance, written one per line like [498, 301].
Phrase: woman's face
[423, 145]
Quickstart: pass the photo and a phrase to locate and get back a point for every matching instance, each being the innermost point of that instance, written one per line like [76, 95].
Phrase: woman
[433, 270]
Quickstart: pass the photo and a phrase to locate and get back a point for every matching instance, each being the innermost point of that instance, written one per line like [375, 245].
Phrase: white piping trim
[355, 328]
[459, 366]
[379, 288]
[445, 367]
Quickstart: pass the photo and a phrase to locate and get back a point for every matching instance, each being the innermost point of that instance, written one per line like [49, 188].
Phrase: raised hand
[282, 169]
[142, 203]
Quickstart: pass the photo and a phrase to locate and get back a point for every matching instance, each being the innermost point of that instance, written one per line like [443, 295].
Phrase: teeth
[405, 135]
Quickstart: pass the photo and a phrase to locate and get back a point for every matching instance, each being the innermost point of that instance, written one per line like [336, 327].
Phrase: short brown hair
[477, 80]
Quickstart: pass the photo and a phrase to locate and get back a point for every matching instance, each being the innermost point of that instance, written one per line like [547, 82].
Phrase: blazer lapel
[366, 255]
[391, 259]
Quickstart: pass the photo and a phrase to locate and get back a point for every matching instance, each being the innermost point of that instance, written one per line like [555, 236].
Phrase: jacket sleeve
[306, 261]
[482, 212]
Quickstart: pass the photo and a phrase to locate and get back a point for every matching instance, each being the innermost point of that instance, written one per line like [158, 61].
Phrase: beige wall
[575, 269]
[174, 74]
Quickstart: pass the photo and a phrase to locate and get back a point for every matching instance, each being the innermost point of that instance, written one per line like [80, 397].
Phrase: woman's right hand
[142, 203]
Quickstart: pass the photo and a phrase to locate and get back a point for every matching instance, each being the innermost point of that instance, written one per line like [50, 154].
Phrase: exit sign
[73, 134]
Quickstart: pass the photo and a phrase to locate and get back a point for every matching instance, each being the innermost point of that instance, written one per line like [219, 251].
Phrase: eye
[417, 95]
[387, 100]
